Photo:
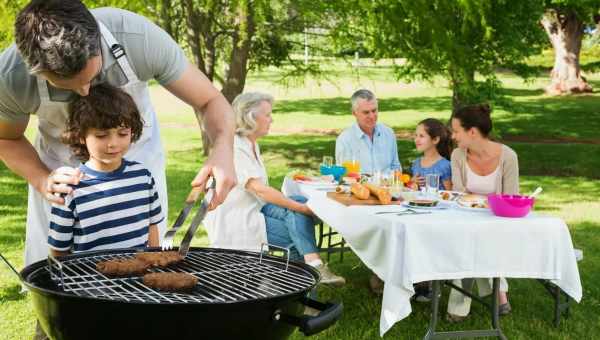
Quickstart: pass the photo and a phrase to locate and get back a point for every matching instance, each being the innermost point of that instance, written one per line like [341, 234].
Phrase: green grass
[568, 172]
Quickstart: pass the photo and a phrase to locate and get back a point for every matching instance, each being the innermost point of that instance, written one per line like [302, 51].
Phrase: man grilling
[61, 50]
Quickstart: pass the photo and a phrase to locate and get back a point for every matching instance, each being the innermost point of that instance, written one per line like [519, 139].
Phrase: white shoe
[329, 278]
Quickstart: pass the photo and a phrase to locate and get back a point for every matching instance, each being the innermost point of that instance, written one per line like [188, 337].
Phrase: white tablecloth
[446, 244]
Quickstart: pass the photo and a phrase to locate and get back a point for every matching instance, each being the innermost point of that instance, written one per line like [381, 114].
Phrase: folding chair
[331, 248]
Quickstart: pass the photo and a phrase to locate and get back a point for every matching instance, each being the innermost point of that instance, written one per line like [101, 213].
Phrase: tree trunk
[240, 52]
[194, 34]
[565, 31]
[464, 90]
[197, 30]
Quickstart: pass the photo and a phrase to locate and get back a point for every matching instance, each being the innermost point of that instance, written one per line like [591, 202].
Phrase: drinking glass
[432, 184]
[350, 162]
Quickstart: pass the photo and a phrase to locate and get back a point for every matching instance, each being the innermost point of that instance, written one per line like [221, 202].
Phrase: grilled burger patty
[159, 258]
[122, 267]
[170, 282]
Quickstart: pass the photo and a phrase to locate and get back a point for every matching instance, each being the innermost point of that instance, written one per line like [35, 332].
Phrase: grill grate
[223, 277]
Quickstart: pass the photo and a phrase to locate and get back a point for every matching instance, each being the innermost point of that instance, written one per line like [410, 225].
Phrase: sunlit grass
[567, 172]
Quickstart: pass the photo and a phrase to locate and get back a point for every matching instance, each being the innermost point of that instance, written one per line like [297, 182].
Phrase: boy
[115, 204]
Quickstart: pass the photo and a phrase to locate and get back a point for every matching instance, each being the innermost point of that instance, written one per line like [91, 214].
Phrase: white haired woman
[255, 213]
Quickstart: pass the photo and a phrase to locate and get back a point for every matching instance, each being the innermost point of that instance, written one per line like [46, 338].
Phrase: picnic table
[445, 244]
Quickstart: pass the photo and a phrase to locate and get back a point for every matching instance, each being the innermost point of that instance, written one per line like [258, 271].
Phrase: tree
[564, 22]
[228, 38]
[455, 39]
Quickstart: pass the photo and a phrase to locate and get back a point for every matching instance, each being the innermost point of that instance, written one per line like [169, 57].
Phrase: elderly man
[61, 50]
[370, 143]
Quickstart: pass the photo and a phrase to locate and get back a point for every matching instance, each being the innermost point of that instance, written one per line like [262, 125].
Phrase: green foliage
[8, 11]
[586, 9]
[10, 8]
[456, 39]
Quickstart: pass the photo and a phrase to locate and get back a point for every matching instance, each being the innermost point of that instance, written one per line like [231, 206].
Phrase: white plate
[317, 183]
[439, 206]
[468, 208]
[453, 195]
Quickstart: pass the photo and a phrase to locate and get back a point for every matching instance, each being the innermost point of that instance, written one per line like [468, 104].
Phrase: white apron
[52, 117]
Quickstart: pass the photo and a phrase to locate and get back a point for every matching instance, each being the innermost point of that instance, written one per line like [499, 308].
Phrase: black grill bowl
[67, 316]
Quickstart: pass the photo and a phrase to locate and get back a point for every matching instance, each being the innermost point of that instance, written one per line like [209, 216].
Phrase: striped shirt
[106, 210]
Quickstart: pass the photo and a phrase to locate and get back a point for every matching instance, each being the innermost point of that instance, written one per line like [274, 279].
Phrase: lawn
[308, 116]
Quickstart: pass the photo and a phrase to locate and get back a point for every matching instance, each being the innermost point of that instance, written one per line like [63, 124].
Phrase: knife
[202, 210]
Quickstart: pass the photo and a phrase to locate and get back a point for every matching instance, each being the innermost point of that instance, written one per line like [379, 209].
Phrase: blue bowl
[325, 170]
[338, 172]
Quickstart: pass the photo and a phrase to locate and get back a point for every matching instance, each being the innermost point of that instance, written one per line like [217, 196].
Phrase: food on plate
[171, 282]
[445, 195]
[473, 201]
[159, 258]
[349, 180]
[300, 177]
[383, 195]
[354, 175]
[423, 202]
[122, 267]
[360, 191]
[305, 178]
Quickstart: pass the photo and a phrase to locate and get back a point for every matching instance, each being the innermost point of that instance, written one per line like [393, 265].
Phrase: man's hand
[58, 182]
[194, 88]
[220, 165]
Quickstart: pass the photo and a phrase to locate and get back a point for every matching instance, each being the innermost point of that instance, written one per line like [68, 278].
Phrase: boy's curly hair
[106, 107]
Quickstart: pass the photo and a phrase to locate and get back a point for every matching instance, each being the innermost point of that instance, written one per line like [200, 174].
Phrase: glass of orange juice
[352, 166]
[350, 161]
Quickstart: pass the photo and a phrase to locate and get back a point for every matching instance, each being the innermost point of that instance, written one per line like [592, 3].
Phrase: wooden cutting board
[348, 199]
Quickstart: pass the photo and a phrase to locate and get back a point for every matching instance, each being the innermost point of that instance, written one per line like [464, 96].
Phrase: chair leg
[320, 240]
[557, 310]
[329, 245]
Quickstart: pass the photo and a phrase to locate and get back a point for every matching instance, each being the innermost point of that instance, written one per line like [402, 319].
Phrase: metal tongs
[193, 196]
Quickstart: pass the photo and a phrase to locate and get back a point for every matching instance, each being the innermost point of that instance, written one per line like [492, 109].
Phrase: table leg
[493, 309]
[435, 303]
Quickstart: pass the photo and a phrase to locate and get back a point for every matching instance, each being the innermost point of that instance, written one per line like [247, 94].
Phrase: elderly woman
[255, 213]
[479, 166]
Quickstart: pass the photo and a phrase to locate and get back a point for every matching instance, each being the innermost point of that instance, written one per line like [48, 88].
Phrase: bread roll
[384, 195]
[359, 191]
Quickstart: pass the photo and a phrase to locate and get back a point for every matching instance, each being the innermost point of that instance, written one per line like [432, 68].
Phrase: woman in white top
[255, 213]
[479, 166]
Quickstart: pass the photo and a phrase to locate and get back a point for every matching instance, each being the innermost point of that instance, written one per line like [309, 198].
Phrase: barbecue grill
[240, 295]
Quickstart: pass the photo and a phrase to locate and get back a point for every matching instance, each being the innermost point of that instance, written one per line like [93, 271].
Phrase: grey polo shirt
[151, 52]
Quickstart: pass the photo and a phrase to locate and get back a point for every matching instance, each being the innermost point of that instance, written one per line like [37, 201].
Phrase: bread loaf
[359, 191]
[384, 195]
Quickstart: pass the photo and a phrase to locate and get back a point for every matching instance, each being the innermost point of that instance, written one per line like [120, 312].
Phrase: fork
[167, 242]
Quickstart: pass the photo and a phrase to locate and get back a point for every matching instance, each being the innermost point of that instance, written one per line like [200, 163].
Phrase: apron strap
[118, 52]
[43, 90]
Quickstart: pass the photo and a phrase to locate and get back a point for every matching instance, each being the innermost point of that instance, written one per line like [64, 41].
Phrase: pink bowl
[510, 205]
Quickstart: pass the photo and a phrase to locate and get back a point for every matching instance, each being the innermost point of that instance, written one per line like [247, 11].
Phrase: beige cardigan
[508, 183]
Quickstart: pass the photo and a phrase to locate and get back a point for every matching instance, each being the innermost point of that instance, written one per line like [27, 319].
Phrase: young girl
[115, 204]
[432, 138]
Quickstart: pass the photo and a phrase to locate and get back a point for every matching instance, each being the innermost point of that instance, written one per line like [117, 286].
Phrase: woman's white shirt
[238, 222]
[482, 185]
